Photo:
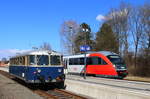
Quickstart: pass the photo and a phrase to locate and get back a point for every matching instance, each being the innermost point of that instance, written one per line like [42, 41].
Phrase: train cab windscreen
[55, 60]
[32, 60]
[42, 60]
[117, 61]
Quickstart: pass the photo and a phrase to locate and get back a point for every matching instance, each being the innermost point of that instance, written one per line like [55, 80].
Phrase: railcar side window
[55, 60]
[103, 62]
[20, 60]
[76, 61]
[81, 61]
[32, 60]
[71, 61]
[17, 61]
[42, 60]
[95, 61]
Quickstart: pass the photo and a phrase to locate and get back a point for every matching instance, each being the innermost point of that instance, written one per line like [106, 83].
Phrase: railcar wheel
[94, 75]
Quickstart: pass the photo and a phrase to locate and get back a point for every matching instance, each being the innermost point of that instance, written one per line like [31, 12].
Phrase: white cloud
[10, 52]
[100, 17]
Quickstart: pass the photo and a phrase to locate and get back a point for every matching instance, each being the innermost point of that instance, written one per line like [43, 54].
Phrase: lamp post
[85, 30]
[71, 45]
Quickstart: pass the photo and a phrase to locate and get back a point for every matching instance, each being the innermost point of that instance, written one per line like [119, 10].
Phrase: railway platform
[9, 89]
[104, 88]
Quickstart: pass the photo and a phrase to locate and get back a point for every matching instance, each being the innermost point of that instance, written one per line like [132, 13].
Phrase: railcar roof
[38, 52]
[105, 53]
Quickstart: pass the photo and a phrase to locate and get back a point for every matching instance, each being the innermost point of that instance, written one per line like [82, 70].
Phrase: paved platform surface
[6, 68]
[104, 88]
[9, 89]
[125, 84]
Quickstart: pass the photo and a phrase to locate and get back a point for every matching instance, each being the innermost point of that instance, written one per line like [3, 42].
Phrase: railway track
[50, 94]
[6, 74]
[58, 94]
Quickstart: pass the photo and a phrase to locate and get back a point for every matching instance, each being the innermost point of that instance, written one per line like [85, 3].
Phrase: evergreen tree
[83, 37]
[106, 39]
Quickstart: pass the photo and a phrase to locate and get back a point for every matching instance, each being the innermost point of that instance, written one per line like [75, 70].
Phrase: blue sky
[28, 23]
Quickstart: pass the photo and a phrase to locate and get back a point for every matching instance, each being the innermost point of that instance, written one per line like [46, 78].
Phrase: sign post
[85, 48]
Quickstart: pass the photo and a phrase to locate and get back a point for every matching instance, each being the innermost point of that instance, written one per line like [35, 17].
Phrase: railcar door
[65, 65]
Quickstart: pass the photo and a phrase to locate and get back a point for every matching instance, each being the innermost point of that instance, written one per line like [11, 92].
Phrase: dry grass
[136, 78]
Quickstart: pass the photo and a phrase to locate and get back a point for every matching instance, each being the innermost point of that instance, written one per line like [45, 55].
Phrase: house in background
[4, 63]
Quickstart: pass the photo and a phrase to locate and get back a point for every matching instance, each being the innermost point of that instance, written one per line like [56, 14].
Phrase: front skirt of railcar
[45, 74]
[122, 74]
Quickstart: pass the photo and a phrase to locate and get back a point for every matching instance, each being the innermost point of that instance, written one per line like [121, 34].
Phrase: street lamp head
[85, 29]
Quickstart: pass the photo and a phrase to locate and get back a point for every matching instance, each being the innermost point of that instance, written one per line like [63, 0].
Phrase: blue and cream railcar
[38, 67]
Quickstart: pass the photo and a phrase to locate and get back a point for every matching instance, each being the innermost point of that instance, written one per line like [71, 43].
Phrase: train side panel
[38, 74]
[75, 68]
[18, 71]
[103, 69]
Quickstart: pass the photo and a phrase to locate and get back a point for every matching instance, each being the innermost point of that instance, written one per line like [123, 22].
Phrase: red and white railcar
[103, 63]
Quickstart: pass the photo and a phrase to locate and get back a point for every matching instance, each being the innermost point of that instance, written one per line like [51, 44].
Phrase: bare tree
[132, 27]
[118, 19]
[137, 30]
[68, 32]
[45, 46]
[145, 18]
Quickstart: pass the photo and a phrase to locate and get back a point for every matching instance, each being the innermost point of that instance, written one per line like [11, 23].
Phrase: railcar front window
[42, 60]
[115, 59]
[32, 60]
[55, 60]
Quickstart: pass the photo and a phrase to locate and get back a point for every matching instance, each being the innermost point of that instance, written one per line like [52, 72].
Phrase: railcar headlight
[114, 66]
[38, 70]
[59, 70]
[122, 67]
